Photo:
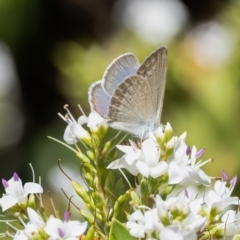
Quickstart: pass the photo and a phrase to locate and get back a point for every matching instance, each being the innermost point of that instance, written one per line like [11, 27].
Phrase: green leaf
[119, 232]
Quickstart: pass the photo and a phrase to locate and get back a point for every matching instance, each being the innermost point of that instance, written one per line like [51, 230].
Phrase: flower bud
[117, 206]
[106, 147]
[31, 201]
[168, 132]
[97, 198]
[83, 157]
[135, 198]
[81, 192]
[87, 216]
[91, 154]
[144, 190]
[90, 233]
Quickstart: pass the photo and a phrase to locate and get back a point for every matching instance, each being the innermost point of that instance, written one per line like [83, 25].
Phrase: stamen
[60, 232]
[12, 226]
[62, 117]
[188, 150]
[17, 214]
[33, 173]
[224, 176]
[15, 177]
[200, 153]
[233, 181]
[81, 110]
[69, 113]
[67, 216]
[134, 145]
[186, 193]
[5, 183]
[8, 234]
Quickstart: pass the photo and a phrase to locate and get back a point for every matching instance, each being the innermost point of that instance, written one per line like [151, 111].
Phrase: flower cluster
[148, 189]
[37, 226]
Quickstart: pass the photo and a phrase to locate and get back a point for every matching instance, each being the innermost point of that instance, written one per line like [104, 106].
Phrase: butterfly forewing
[154, 68]
[122, 67]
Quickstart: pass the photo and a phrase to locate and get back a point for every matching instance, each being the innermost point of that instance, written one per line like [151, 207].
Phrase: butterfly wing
[154, 69]
[98, 99]
[131, 106]
[122, 67]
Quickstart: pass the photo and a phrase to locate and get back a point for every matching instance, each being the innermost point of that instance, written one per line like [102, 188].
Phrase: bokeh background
[52, 50]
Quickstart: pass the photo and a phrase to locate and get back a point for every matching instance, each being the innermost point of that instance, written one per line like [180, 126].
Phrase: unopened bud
[32, 201]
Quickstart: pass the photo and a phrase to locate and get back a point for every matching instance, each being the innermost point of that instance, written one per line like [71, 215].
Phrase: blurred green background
[52, 50]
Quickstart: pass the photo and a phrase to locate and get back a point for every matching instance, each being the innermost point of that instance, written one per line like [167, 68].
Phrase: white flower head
[69, 230]
[177, 219]
[74, 131]
[220, 197]
[143, 159]
[16, 193]
[184, 168]
[20, 235]
[140, 224]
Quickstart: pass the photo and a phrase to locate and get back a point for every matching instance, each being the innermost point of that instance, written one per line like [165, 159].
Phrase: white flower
[20, 235]
[176, 220]
[16, 193]
[75, 132]
[177, 233]
[69, 230]
[34, 225]
[144, 159]
[95, 121]
[220, 197]
[140, 224]
[183, 167]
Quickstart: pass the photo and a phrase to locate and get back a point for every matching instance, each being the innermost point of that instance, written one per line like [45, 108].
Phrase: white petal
[20, 235]
[82, 120]
[203, 178]
[189, 234]
[76, 228]
[68, 136]
[121, 163]
[7, 201]
[77, 130]
[137, 231]
[94, 119]
[171, 232]
[33, 188]
[180, 149]
[148, 222]
[35, 218]
[52, 226]
[151, 153]
[175, 173]
[130, 158]
[183, 136]
[15, 187]
[30, 230]
[125, 149]
[143, 168]
[159, 170]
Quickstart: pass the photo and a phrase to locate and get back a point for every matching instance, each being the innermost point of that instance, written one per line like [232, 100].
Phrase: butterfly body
[130, 96]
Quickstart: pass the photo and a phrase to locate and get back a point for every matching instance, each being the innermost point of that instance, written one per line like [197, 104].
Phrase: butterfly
[130, 95]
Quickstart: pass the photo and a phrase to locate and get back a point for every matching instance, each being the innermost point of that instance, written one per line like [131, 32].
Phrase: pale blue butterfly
[130, 96]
